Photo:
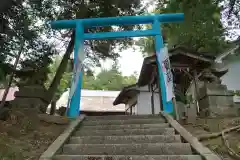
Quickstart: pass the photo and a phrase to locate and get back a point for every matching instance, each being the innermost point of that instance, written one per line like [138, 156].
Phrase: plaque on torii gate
[81, 24]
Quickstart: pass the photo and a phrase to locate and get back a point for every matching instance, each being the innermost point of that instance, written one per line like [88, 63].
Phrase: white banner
[78, 68]
[164, 61]
[76, 74]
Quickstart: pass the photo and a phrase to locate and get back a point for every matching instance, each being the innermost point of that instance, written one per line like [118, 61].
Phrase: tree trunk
[61, 69]
[53, 107]
[63, 65]
[11, 77]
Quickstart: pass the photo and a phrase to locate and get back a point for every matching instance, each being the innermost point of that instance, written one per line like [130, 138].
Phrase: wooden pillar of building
[195, 81]
[159, 89]
[131, 111]
[152, 99]
[175, 108]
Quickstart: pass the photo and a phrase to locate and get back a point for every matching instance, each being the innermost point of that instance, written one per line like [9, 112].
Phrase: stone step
[122, 122]
[125, 139]
[127, 157]
[126, 126]
[128, 149]
[122, 117]
[123, 132]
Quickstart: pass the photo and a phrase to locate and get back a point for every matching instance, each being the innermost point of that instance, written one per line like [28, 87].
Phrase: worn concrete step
[126, 126]
[128, 149]
[122, 117]
[123, 132]
[125, 139]
[122, 122]
[127, 157]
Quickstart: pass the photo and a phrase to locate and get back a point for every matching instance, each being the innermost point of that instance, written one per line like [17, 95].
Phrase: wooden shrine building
[187, 67]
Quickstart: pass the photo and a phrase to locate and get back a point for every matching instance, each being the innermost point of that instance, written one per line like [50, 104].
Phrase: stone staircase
[142, 137]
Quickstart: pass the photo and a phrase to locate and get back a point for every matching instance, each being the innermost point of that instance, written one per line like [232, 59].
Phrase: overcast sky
[130, 60]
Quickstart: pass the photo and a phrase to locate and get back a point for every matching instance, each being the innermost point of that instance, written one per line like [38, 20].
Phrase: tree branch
[217, 134]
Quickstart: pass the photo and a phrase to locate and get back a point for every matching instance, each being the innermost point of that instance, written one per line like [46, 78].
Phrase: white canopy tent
[93, 100]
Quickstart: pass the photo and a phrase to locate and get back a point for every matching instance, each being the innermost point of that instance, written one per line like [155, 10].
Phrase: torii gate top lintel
[124, 20]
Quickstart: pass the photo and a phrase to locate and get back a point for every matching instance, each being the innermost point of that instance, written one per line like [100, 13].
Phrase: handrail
[206, 153]
[55, 147]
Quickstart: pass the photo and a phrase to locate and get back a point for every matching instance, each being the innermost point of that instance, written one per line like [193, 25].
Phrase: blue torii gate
[80, 36]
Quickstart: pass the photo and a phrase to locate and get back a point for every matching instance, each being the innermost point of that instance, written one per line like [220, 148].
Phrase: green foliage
[237, 93]
[19, 26]
[111, 79]
[132, 79]
[67, 9]
[24, 22]
[147, 44]
[201, 30]
[19, 32]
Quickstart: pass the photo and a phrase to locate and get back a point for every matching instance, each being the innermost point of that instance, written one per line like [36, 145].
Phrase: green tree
[96, 50]
[109, 79]
[237, 93]
[23, 19]
[89, 82]
[132, 79]
[18, 25]
[147, 45]
[20, 41]
[201, 30]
